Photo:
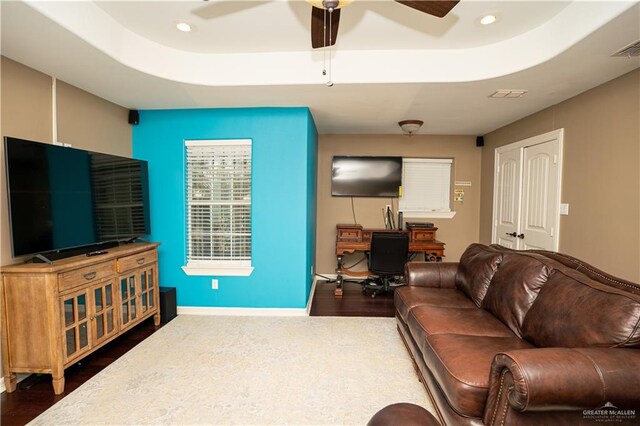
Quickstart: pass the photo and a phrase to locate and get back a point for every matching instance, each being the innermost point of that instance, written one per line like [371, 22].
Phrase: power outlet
[214, 284]
[387, 207]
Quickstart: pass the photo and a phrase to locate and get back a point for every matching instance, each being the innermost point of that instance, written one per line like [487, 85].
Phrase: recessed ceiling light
[183, 26]
[488, 19]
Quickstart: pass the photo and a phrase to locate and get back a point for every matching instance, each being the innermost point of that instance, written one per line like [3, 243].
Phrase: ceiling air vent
[505, 93]
[631, 50]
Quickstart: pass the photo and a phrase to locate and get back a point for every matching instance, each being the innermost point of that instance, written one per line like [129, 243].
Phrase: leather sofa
[508, 337]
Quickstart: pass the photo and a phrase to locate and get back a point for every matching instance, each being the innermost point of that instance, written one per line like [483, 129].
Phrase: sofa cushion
[426, 321]
[408, 297]
[572, 310]
[477, 266]
[461, 365]
[590, 271]
[515, 286]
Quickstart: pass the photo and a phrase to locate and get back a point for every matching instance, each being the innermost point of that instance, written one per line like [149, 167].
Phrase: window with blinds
[218, 198]
[426, 187]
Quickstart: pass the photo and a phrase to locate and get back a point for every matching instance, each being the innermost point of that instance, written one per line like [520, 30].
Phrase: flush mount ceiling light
[184, 27]
[409, 127]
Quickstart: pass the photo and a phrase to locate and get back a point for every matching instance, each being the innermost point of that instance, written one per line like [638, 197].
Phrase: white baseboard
[242, 312]
[351, 277]
[311, 293]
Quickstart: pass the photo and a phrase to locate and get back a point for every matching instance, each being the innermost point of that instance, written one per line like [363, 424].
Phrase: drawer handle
[89, 275]
[140, 261]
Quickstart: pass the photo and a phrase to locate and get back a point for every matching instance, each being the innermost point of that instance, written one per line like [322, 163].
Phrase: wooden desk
[353, 238]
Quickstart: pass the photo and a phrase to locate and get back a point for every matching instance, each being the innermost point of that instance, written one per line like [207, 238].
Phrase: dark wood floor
[353, 302]
[35, 394]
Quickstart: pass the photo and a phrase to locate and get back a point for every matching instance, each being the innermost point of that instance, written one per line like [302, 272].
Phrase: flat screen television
[63, 199]
[366, 176]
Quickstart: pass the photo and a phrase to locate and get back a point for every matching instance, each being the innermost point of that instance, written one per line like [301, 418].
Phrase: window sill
[218, 270]
[428, 215]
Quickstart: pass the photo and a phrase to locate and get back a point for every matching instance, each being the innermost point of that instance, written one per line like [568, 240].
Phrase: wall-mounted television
[64, 198]
[366, 176]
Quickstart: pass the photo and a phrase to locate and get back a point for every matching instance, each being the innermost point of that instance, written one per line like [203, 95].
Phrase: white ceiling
[390, 62]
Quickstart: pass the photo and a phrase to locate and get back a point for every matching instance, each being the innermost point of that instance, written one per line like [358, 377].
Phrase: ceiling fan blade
[437, 8]
[320, 37]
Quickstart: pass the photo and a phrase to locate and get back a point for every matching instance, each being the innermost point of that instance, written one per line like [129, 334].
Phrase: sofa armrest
[561, 379]
[431, 274]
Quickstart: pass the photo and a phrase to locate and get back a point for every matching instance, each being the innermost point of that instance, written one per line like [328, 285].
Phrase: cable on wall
[353, 210]
[54, 111]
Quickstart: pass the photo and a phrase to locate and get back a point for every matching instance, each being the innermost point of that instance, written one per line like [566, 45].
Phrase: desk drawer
[71, 279]
[349, 232]
[136, 260]
[422, 235]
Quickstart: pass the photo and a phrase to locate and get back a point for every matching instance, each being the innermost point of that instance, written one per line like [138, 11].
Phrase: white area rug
[252, 371]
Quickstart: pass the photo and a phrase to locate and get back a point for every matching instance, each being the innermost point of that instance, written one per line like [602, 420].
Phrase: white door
[509, 178]
[527, 193]
[540, 197]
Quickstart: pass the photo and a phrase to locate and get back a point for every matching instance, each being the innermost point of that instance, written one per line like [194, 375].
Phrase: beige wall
[601, 178]
[89, 122]
[456, 233]
[84, 120]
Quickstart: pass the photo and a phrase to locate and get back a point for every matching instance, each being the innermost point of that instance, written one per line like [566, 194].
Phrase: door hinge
[555, 159]
[552, 231]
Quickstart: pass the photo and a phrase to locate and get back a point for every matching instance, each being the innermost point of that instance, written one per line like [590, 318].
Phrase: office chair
[389, 252]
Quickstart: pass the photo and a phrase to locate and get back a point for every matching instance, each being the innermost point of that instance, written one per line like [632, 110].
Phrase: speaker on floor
[168, 307]
[480, 141]
[134, 117]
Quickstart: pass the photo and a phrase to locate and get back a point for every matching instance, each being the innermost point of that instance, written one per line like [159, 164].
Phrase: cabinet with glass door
[138, 292]
[89, 318]
[54, 315]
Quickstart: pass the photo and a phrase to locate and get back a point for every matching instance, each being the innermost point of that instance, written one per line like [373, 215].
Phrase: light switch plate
[564, 209]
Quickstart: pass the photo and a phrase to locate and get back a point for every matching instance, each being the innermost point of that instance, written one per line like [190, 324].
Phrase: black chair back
[389, 253]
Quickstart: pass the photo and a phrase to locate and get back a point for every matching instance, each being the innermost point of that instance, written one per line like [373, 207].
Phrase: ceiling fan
[325, 16]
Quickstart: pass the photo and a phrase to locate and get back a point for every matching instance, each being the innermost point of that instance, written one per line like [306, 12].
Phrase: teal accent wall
[284, 145]
[312, 162]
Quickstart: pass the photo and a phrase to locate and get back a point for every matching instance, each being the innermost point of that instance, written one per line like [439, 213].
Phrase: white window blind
[426, 187]
[218, 186]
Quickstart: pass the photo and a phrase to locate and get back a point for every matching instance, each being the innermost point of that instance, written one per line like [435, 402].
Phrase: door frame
[535, 140]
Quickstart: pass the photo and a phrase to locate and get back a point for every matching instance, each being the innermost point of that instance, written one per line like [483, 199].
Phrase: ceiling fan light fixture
[409, 127]
[184, 27]
[329, 4]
